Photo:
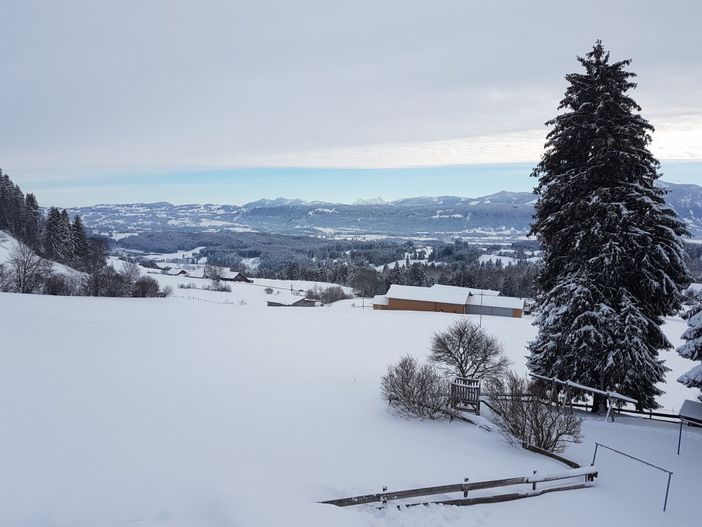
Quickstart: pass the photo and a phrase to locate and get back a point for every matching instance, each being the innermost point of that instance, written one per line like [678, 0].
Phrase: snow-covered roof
[446, 295]
[197, 273]
[380, 300]
[509, 302]
[471, 290]
[285, 300]
[230, 275]
[691, 411]
[449, 294]
[176, 271]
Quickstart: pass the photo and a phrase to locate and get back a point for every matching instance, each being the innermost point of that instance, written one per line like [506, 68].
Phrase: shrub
[466, 350]
[414, 390]
[333, 294]
[218, 286]
[144, 287]
[312, 294]
[523, 417]
[188, 285]
[328, 295]
[268, 290]
[63, 285]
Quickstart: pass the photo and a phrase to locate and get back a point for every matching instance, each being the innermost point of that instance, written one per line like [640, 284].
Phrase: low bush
[523, 417]
[414, 390]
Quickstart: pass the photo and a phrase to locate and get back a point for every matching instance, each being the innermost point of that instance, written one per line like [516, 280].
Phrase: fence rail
[589, 473]
[670, 474]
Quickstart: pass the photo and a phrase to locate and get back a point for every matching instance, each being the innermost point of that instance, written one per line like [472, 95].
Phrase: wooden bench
[465, 395]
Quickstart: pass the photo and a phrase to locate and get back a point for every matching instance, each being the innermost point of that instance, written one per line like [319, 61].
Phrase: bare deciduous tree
[5, 279]
[465, 350]
[415, 390]
[522, 416]
[27, 269]
[213, 272]
[130, 272]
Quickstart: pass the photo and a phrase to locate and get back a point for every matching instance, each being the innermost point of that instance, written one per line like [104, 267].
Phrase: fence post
[533, 485]
[665, 503]
[594, 457]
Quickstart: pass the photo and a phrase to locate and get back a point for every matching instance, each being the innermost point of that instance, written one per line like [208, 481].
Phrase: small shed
[283, 300]
[235, 276]
[690, 413]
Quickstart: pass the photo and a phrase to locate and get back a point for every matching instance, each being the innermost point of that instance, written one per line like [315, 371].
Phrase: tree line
[57, 238]
[512, 280]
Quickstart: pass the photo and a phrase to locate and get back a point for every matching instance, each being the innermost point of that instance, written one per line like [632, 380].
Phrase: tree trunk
[599, 404]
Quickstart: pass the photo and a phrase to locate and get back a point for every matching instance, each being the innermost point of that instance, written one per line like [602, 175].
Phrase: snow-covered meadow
[179, 412]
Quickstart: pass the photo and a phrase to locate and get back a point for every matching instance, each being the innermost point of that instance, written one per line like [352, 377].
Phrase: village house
[284, 300]
[235, 276]
[449, 299]
[175, 271]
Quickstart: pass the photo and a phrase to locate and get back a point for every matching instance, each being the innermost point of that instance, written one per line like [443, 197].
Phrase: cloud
[133, 85]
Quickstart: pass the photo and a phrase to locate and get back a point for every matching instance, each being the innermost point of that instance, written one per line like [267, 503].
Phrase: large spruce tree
[613, 255]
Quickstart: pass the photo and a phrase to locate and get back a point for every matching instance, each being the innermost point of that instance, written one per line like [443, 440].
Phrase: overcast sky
[110, 101]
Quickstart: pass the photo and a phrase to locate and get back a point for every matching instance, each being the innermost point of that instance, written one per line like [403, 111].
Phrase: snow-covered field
[178, 412]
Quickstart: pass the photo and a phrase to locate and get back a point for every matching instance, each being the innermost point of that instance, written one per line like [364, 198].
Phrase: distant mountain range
[505, 215]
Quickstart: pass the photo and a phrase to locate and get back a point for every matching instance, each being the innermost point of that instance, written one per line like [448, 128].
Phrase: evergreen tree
[67, 236]
[54, 236]
[692, 349]
[613, 255]
[32, 222]
[80, 240]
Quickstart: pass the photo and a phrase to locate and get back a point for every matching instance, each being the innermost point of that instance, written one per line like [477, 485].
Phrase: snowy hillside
[177, 412]
[8, 244]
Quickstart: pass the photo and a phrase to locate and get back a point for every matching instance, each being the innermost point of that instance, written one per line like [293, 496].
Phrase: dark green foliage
[614, 260]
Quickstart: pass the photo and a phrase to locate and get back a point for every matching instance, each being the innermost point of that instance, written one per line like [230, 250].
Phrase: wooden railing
[589, 473]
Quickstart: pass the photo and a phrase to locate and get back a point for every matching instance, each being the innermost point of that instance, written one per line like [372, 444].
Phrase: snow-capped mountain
[506, 214]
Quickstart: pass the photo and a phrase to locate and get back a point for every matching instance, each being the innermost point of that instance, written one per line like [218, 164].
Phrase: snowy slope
[241, 293]
[160, 412]
[7, 245]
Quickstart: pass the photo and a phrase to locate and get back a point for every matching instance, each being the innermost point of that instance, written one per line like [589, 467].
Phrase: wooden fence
[589, 473]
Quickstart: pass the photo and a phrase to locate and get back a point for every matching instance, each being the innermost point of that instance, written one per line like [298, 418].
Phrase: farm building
[284, 300]
[198, 272]
[449, 299]
[234, 276]
[177, 272]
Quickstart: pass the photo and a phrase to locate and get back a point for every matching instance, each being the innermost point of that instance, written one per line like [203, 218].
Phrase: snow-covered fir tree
[58, 239]
[53, 246]
[80, 239]
[613, 254]
[32, 221]
[692, 349]
[68, 254]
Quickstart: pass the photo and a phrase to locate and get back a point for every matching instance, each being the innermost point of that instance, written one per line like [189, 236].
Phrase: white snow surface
[172, 412]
